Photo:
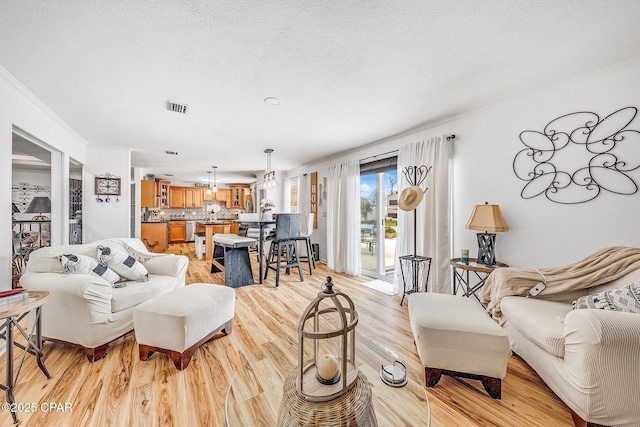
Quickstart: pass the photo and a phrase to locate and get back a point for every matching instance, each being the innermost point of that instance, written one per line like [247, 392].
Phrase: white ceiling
[347, 73]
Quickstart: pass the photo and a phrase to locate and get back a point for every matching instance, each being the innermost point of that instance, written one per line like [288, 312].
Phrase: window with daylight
[293, 184]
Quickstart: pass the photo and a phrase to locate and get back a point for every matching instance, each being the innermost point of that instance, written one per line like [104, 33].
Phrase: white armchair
[588, 357]
[86, 310]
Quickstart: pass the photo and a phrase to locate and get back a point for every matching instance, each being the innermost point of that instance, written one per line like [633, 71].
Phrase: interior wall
[104, 220]
[20, 108]
[542, 233]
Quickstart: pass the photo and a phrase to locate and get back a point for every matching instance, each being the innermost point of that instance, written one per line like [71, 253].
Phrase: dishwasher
[191, 231]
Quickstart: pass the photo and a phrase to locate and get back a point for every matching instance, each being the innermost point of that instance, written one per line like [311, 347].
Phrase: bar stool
[201, 247]
[306, 236]
[287, 233]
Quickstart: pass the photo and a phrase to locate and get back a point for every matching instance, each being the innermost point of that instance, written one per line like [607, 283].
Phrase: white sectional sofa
[590, 358]
[88, 311]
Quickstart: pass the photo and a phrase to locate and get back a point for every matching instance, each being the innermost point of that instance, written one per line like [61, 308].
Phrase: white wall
[542, 233]
[102, 220]
[20, 108]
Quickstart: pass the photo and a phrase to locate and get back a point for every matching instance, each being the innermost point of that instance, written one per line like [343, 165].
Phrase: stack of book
[13, 295]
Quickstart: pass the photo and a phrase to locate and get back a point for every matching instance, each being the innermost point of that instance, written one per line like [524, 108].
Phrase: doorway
[378, 217]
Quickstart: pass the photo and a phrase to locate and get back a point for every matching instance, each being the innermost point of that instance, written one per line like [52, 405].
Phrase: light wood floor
[121, 390]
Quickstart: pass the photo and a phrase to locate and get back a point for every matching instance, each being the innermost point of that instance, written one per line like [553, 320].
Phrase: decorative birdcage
[327, 327]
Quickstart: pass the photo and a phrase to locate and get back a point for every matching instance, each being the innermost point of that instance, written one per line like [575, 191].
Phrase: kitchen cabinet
[237, 195]
[224, 195]
[147, 193]
[162, 194]
[185, 197]
[177, 231]
[154, 236]
[176, 197]
[193, 197]
[208, 195]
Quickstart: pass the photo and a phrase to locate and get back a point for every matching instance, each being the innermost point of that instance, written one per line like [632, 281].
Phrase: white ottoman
[178, 322]
[455, 336]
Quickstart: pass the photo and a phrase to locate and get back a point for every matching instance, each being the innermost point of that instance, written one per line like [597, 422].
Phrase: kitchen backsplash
[195, 213]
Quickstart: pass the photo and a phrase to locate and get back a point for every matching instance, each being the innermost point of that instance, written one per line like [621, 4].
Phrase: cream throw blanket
[600, 267]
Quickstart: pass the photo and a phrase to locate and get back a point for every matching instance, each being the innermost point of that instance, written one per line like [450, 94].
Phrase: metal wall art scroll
[578, 155]
[23, 192]
[107, 185]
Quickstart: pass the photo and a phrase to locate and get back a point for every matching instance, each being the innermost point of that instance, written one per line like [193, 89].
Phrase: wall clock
[107, 185]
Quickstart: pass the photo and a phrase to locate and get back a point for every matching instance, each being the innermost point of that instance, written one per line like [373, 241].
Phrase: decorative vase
[267, 215]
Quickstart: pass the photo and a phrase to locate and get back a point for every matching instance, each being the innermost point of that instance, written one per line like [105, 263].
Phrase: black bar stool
[284, 243]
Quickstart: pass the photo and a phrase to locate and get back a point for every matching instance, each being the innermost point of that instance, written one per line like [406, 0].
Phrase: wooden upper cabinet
[208, 196]
[176, 197]
[162, 194]
[237, 195]
[147, 193]
[193, 197]
[186, 197]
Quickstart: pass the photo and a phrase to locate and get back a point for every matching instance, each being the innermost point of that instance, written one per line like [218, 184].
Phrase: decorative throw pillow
[117, 259]
[625, 299]
[80, 264]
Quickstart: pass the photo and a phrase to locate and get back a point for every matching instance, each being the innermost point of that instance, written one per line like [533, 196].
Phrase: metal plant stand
[415, 273]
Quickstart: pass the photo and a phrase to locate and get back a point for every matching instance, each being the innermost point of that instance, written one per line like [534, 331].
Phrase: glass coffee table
[255, 394]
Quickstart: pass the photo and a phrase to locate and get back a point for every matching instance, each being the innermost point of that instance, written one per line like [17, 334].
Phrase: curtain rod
[379, 155]
[449, 138]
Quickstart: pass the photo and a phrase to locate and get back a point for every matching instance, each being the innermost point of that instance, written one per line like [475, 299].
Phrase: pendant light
[269, 177]
[215, 180]
[209, 185]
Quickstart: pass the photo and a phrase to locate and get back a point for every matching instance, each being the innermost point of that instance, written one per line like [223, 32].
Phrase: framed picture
[107, 185]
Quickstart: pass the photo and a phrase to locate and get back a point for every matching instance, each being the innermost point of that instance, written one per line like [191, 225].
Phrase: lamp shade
[39, 205]
[487, 218]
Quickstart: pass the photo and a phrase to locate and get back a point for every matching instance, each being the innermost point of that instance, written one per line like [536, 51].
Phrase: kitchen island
[209, 228]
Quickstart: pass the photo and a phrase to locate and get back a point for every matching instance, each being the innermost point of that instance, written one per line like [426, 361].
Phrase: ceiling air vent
[178, 108]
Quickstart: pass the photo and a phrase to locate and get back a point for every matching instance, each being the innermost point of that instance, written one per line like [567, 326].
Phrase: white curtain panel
[343, 218]
[286, 196]
[433, 214]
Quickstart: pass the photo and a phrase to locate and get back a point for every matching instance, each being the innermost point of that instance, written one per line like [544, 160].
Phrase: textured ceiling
[347, 73]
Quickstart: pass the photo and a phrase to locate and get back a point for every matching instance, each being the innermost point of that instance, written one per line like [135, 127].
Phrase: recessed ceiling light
[272, 100]
[172, 153]
[168, 174]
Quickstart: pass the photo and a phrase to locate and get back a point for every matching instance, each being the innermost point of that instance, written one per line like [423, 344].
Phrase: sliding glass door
[378, 216]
